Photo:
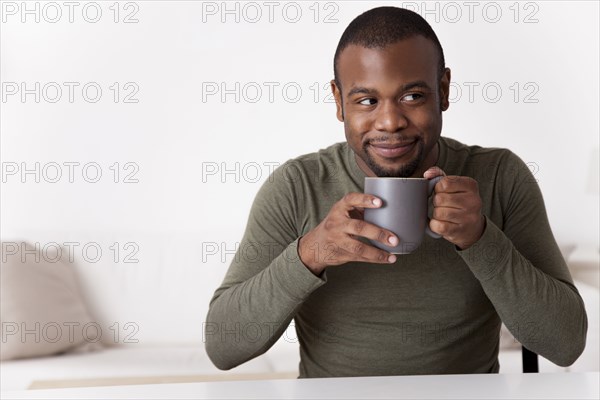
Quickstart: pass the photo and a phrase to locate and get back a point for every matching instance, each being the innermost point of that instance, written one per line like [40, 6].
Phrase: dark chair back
[530, 361]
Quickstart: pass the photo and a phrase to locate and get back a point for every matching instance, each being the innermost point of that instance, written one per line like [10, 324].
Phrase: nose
[390, 117]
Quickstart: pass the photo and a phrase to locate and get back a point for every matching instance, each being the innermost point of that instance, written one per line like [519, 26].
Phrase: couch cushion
[153, 288]
[41, 309]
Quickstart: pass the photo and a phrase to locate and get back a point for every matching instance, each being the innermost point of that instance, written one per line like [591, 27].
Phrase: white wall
[170, 135]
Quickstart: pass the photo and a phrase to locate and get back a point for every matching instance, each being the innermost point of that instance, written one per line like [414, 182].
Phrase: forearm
[247, 318]
[545, 314]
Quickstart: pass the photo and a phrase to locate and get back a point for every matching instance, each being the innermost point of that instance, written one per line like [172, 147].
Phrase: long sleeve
[433, 311]
[523, 273]
[266, 282]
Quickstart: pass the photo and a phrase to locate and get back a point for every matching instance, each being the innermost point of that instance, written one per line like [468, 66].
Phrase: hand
[457, 209]
[334, 242]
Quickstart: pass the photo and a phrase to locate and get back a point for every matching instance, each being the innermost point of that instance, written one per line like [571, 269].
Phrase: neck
[429, 161]
[363, 166]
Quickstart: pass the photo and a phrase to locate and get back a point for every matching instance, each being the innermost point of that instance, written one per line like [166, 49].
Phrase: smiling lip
[390, 150]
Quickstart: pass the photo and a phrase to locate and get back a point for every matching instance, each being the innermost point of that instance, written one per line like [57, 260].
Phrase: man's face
[392, 105]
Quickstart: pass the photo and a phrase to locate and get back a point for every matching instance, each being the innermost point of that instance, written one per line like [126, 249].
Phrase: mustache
[388, 139]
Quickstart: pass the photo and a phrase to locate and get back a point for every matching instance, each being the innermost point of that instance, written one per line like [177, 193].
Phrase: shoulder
[310, 166]
[305, 171]
[323, 157]
[476, 160]
[457, 150]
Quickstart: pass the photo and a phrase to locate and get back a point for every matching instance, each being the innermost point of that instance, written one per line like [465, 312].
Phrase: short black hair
[383, 26]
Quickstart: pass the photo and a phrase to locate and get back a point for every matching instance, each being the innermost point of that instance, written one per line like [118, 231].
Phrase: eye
[413, 97]
[364, 101]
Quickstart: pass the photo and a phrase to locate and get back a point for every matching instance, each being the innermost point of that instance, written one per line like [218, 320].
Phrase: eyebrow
[403, 88]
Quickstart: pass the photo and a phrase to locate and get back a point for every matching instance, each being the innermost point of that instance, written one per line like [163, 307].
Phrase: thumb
[433, 172]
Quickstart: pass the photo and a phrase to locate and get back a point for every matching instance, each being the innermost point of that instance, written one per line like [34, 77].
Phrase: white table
[480, 386]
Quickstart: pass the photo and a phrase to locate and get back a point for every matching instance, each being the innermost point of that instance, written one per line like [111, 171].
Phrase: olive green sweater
[435, 311]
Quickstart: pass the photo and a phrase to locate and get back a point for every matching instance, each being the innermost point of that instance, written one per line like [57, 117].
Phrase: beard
[402, 171]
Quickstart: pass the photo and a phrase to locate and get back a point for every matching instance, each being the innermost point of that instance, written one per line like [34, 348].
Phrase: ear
[337, 94]
[445, 90]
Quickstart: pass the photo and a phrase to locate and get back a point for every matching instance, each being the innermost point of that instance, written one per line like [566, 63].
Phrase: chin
[393, 169]
[405, 171]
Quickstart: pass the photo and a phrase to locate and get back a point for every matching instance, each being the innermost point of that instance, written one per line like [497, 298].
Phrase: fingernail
[392, 258]
[377, 202]
[393, 240]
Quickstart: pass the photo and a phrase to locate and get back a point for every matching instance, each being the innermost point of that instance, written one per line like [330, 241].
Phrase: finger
[361, 200]
[456, 184]
[433, 172]
[391, 258]
[359, 251]
[448, 214]
[444, 228]
[460, 200]
[365, 229]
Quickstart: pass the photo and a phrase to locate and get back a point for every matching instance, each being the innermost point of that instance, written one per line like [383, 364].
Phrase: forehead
[408, 60]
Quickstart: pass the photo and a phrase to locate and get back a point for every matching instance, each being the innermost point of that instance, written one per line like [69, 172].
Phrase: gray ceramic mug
[404, 210]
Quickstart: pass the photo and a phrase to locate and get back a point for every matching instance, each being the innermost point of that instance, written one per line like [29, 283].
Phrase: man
[362, 311]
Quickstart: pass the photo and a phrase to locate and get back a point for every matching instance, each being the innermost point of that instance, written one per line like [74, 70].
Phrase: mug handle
[432, 184]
